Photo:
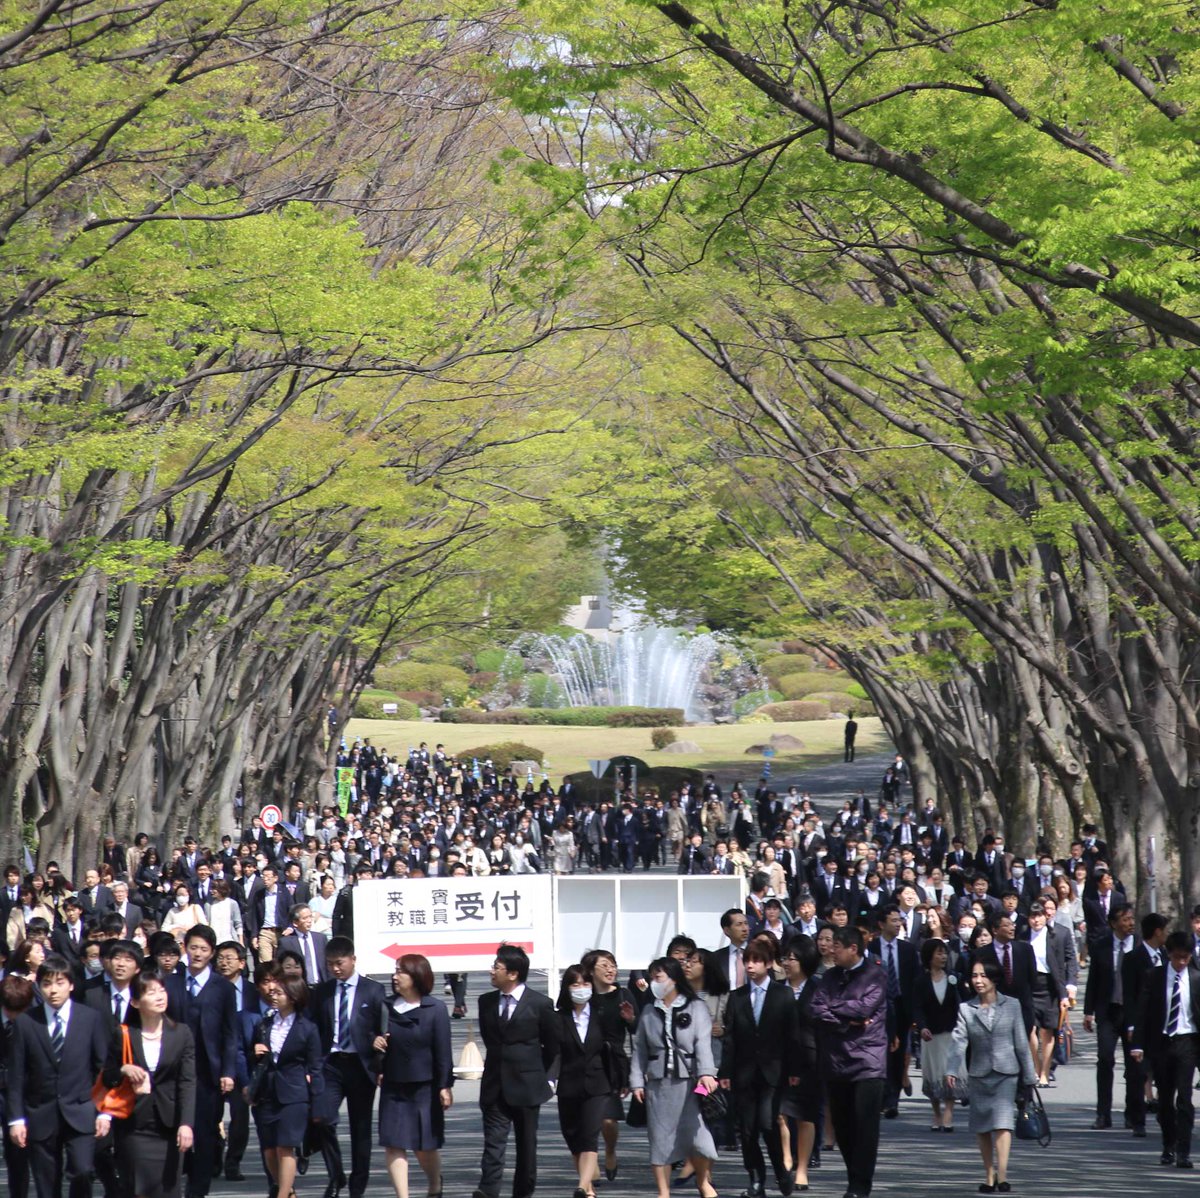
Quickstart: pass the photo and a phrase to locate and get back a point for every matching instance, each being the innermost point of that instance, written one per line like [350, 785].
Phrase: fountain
[646, 666]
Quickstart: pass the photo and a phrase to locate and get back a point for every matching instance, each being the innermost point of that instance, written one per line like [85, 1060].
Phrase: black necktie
[58, 1037]
[344, 1019]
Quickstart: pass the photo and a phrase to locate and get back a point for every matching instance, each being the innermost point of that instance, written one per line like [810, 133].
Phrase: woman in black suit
[586, 1087]
[800, 1107]
[418, 1076]
[291, 1040]
[618, 1013]
[150, 1144]
[935, 1016]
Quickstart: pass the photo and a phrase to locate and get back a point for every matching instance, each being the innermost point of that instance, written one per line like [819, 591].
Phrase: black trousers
[344, 1078]
[757, 1115]
[1108, 1036]
[64, 1151]
[855, 1110]
[205, 1157]
[497, 1121]
[238, 1134]
[1174, 1074]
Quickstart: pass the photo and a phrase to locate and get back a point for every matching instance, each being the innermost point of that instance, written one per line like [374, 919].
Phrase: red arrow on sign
[396, 951]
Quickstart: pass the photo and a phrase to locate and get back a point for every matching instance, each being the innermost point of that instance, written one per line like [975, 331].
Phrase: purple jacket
[853, 1050]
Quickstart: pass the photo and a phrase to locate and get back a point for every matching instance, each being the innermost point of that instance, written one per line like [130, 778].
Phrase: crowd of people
[155, 1012]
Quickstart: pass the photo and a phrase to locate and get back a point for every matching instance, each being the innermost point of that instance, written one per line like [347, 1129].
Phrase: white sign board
[270, 816]
[635, 916]
[456, 923]
[389, 708]
[598, 766]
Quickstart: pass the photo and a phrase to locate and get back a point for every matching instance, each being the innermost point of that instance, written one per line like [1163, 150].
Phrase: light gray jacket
[1002, 1048]
[693, 1056]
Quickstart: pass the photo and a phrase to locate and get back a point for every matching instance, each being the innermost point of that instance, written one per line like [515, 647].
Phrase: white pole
[1151, 881]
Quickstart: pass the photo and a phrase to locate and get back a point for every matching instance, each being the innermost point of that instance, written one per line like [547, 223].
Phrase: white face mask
[658, 989]
[964, 933]
[92, 968]
[1045, 870]
[580, 994]
[1018, 871]
[181, 900]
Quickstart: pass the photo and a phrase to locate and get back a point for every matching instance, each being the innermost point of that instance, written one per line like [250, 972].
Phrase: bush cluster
[372, 709]
[802, 709]
[796, 686]
[661, 737]
[502, 754]
[572, 717]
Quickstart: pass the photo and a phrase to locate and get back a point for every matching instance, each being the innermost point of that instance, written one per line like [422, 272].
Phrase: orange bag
[119, 1101]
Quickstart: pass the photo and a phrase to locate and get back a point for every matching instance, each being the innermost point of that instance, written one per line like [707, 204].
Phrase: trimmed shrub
[645, 717]
[503, 754]
[802, 709]
[756, 717]
[422, 698]
[753, 701]
[450, 681]
[661, 737]
[570, 717]
[371, 708]
[796, 686]
[841, 703]
[778, 665]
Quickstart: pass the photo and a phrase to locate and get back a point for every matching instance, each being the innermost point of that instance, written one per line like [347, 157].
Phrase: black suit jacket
[366, 1019]
[42, 1090]
[319, 940]
[1149, 1024]
[212, 1017]
[521, 1050]
[587, 1068]
[171, 1102]
[1101, 975]
[98, 903]
[763, 1054]
[1137, 970]
[1024, 969]
[908, 967]
[97, 994]
[419, 1045]
[61, 942]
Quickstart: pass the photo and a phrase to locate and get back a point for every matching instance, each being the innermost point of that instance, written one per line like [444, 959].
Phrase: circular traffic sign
[270, 816]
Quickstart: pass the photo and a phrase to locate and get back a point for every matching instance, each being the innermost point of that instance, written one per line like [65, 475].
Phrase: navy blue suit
[55, 1097]
[350, 1075]
[239, 1113]
[212, 1016]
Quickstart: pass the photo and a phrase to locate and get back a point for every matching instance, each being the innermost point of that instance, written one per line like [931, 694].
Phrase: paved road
[1080, 1163]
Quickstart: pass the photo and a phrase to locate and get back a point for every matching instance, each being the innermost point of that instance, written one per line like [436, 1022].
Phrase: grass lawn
[723, 747]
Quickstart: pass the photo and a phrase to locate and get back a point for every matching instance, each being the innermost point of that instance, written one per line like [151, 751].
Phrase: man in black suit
[296, 890]
[901, 963]
[231, 963]
[756, 1062]
[693, 859]
[70, 937]
[109, 995]
[205, 1001]
[309, 944]
[1096, 909]
[95, 896]
[184, 869]
[1168, 1029]
[725, 969]
[57, 1051]
[1103, 1006]
[1139, 967]
[520, 1033]
[347, 1008]
[1016, 960]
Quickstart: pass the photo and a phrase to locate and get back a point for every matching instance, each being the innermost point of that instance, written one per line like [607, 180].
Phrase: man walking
[520, 1032]
[849, 1008]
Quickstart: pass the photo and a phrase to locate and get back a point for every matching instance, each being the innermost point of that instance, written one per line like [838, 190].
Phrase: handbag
[1064, 1039]
[637, 1113]
[117, 1101]
[257, 1086]
[714, 1108]
[1032, 1121]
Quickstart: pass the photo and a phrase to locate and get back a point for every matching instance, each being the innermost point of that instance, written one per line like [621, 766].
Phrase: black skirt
[580, 1120]
[411, 1117]
[148, 1161]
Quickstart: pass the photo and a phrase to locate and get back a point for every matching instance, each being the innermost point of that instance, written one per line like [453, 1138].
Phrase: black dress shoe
[786, 1184]
[234, 1175]
[890, 1112]
[579, 1192]
[1184, 1162]
[1167, 1158]
[301, 1164]
[1139, 1133]
[753, 1190]
[1102, 1121]
[336, 1186]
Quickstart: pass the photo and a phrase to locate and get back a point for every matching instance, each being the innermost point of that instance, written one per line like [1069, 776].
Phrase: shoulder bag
[119, 1100]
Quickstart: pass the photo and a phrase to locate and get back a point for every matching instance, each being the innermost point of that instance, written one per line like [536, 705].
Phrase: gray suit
[1000, 1057]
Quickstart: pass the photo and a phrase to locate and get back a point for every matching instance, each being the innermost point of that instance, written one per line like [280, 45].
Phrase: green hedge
[449, 681]
[370, 708]
[796, 686]
[571, 717]
[801, 709]
[753, 701]
[503, 754]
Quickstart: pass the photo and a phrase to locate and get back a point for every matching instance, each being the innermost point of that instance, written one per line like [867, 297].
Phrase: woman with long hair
[672, 1058]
